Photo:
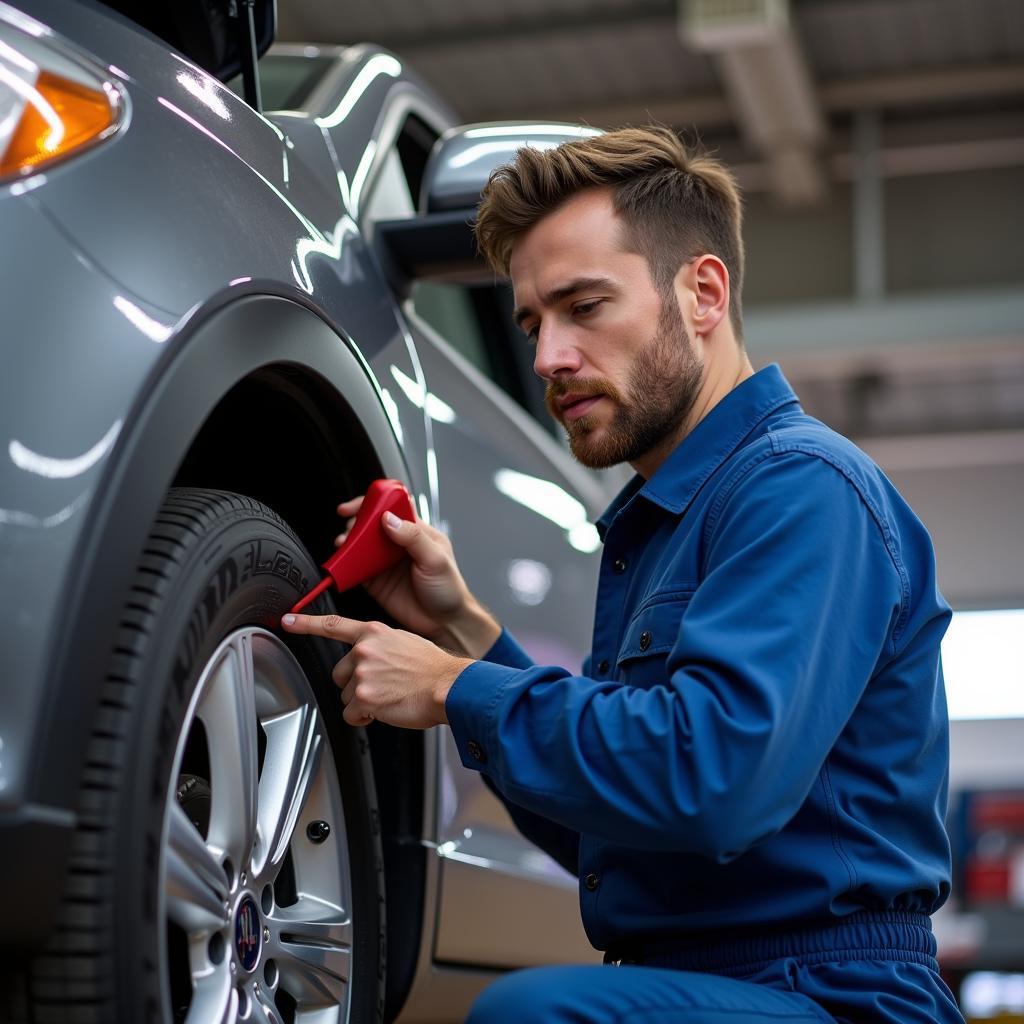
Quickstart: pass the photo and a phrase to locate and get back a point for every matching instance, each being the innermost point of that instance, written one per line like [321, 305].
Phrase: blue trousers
[878, 971]
[826, 994]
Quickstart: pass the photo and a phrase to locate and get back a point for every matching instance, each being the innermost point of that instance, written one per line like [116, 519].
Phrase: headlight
[51, 103]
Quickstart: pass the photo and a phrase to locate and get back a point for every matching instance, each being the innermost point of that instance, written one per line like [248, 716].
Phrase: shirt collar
[708, 445]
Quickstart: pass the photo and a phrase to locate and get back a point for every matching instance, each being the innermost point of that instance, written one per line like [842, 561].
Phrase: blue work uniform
[750, 776]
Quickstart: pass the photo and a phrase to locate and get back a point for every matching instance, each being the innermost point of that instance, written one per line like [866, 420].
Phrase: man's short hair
[675, 205]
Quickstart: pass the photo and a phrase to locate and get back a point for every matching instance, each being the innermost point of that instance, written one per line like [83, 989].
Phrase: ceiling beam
[905, 89]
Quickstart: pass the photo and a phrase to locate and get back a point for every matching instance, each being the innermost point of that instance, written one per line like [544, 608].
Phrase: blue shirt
[759, 736]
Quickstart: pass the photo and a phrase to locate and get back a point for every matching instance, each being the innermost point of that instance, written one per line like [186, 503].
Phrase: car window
[475, 321]
[449, 310]
[286, 81]
[391, 197]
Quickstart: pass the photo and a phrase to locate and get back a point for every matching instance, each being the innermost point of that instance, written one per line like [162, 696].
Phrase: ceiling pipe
[765, 74]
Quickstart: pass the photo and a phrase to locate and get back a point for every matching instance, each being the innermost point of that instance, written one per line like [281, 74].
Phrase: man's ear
[707, 280]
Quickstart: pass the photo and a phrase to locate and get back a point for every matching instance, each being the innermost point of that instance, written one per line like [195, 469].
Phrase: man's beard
[663, 385]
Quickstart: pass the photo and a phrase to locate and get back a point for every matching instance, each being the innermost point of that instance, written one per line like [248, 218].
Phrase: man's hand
[426, 592]
[389, 675]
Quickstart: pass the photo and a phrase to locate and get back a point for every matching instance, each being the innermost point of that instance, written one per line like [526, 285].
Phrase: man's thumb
[411, 536]
[394, 525]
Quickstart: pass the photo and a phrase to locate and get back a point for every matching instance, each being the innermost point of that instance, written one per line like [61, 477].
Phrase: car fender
[218, 348]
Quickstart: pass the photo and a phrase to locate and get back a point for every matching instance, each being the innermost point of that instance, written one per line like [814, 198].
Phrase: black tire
[214, 562]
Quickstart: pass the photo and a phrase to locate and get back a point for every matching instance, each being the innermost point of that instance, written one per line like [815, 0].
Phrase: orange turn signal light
[60, 116]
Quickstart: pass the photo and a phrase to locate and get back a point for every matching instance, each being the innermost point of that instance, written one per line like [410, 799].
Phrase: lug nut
[317, 831]
[266, 934]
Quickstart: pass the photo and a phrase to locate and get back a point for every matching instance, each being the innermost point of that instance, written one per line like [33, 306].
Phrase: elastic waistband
[867, 935]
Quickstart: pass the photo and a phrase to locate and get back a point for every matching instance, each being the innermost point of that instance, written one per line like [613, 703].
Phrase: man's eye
[586, 308]
[531, 334]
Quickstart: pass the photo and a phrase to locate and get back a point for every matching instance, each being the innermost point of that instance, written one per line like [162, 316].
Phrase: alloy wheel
[255, 880]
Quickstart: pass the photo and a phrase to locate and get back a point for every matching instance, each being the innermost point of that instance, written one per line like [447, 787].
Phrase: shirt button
[476, 751]
[619, 566]
[591, 882]
[645, 640]
[603, 666]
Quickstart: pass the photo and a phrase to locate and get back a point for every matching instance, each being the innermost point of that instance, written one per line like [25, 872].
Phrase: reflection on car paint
[497, 851]
[152, 329]
[202, 87]
[552, 502]
[529, 581]
[14, 517]
[560, 130]
[19, 188]
[417, 393]
[380, 64]
[360, 176]
[330, 246]
[391, 408]
[317, 242]
[62, 469]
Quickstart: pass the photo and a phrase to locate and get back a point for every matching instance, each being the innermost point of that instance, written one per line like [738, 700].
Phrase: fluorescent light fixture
[990, 995]
[983, 664]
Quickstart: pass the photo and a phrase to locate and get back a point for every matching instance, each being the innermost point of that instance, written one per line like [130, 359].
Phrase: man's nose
[555, 355]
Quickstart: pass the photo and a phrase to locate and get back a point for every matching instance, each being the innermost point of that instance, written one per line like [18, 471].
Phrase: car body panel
[153, 273]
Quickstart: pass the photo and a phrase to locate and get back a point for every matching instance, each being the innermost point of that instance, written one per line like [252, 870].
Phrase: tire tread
[71, 981]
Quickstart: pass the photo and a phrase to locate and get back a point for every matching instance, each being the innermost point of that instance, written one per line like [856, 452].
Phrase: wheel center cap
[248, 933]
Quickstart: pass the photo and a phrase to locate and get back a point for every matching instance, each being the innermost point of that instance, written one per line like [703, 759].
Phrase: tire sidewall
[247, 570]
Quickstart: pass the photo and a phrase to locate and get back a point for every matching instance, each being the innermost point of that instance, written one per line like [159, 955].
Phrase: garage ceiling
[773, 85]
[803, 98]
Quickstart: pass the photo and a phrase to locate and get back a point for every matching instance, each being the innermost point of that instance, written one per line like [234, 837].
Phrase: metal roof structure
[880, 148]
[774, 85]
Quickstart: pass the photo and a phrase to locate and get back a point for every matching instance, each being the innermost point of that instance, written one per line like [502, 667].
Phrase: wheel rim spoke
[214, 999]
[262, 1012]
[228, 711]
[289, 769]
[194, 883]
[312, 946]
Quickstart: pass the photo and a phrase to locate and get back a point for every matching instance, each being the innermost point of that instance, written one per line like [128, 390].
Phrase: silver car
[217, 324]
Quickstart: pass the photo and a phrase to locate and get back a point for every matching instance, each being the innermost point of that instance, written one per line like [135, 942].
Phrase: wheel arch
[184, 428]
[282, 412]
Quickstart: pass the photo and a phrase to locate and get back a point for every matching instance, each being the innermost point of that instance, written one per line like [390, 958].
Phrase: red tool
[367, 550]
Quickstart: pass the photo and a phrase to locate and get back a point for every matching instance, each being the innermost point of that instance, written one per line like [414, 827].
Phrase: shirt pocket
[650, 635]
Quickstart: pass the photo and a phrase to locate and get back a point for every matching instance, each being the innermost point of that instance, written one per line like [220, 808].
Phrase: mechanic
[749, 776]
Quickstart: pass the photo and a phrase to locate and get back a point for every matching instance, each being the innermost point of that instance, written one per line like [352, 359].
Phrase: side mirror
[437, 244]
